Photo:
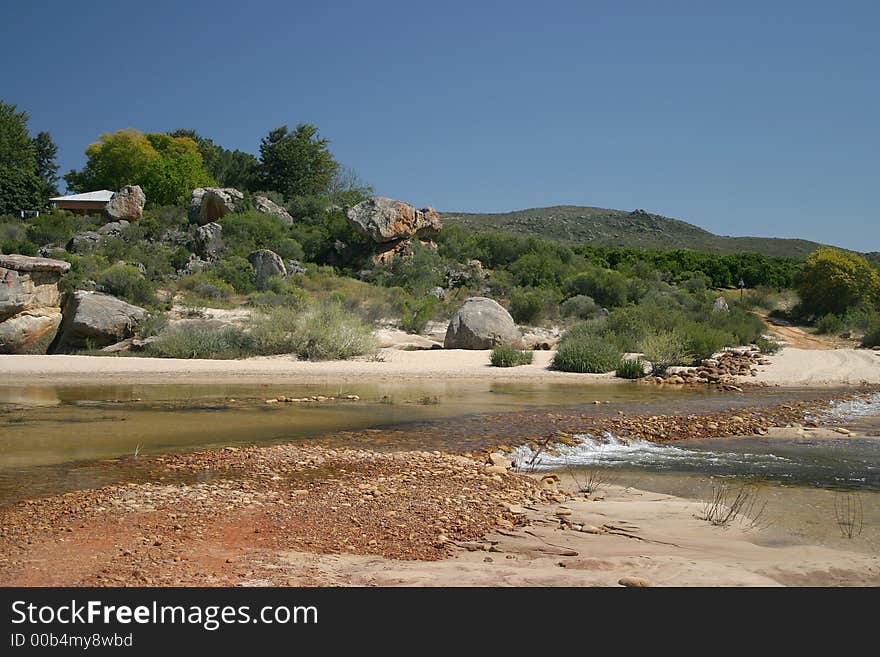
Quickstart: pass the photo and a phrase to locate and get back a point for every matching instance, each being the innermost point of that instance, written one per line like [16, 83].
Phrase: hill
[637, 229]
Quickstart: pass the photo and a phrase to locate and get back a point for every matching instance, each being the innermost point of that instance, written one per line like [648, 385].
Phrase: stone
[92, 319]
[295, 267]
[30, 331]
[388, 220]
[84, 243]
[721, 306]
[268, 206]
[499, 459]
[208, 241]
[637, 582]
[30, 302]
[482, 323]
[207, 204]
[126, 204]
[437, 292]
[266, 263]
[113, 228]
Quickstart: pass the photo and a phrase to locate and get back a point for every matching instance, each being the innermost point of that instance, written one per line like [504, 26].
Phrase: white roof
[102, 195]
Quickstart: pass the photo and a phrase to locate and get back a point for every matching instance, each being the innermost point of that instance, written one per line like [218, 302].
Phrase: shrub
[701, 341]
[580, 306]
[872, 334]
[238, 272]
[608, 288]
[322, 332]
[206, 287]
[631, 368]
[767, 346]
[587, 353]
[200, 342]
[528, 306]
[128, 283]
[829, 324]
[416, 313]
[510, 357]
[664, 350]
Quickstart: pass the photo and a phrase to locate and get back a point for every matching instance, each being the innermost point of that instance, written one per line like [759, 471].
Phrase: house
[89, 202]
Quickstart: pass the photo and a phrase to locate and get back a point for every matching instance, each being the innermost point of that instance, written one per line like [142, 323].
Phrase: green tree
[115, 160]
[45, 151]
[833, 281]
[297, 163]
[20, 187]
[167, 168]
[229, 168]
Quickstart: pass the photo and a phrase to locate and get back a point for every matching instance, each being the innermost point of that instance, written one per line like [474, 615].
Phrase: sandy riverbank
[354, 517]
[791, 367]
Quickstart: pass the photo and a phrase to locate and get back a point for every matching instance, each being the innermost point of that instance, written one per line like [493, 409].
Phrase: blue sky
[746, 118]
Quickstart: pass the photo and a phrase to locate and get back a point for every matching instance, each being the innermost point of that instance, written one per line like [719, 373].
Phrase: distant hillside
[637, 229]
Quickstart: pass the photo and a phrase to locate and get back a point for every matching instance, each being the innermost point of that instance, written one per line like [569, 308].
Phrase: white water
[609, 450]
[842, 411]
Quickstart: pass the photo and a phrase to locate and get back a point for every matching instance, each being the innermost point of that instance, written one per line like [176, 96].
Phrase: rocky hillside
[637, 229]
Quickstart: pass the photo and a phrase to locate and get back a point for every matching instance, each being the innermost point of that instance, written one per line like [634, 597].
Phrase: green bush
[322, 332]
[238, 272]
[580, 306]
[664, 350]
[199, 342]
[510, 357]
[701, 341]
[588, 353]
[767, 346]
[631, 368]
[417, 312]
[872, 335]
[529, 306]
[829, 324]
[608, 288]
[128, 283]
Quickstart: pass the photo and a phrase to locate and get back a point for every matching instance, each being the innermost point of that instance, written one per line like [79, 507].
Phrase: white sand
[660, 540]
[791, 367]
[815, 368]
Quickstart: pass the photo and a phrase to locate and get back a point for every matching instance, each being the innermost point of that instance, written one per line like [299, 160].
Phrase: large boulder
[208, 240]
[387, 220]
[266, 264]
[207, 204]
[113, 228]
[29, 302]
[94, 320]
[127, 203]
[268, 206]
[482, 323]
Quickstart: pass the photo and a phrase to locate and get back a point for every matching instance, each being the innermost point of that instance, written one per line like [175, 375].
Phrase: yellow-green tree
[834, 280]
[167, 168]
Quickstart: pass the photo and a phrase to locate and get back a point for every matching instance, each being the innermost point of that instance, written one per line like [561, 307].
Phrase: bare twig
[849, 514]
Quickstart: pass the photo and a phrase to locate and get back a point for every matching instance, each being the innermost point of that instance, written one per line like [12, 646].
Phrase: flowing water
[60, 438]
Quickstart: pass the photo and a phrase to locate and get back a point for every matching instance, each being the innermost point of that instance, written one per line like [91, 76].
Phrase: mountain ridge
[620, 228]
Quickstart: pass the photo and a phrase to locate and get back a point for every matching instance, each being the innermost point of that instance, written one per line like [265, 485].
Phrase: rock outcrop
[30, 300]
[127, 203]
[268, 206]
[482, 323]
[266, 264]
[720, 305]
[113, 228]
[387, 220]
[92, 319]
[208, 240]
[84, 243]
[207, 204]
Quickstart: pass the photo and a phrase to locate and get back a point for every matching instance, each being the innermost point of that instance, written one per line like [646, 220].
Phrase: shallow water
[55, 438]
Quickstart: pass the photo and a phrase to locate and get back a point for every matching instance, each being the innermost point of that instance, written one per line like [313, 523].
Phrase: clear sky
[745, 118]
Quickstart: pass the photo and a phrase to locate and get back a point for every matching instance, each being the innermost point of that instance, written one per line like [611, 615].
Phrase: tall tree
[20, 187]
[297, 163]
[229, 168]
[46, 151]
